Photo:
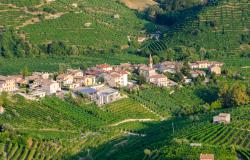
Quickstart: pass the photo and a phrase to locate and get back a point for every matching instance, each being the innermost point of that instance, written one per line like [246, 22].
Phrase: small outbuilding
[116, 16]
[1, 110]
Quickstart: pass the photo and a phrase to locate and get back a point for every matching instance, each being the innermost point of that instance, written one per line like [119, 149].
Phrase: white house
[50, 86]
[159, 79]
[7, 84]
[116, 79]
[106, 95]
[222, 118]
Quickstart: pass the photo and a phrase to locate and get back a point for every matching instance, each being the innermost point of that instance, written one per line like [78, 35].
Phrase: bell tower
[150, 61]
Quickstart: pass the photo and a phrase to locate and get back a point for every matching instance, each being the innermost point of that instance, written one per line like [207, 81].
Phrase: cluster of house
[100, 82]
[198, 68]
[39, 84]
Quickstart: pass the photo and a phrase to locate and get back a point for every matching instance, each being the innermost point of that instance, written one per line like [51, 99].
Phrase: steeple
[150, 61]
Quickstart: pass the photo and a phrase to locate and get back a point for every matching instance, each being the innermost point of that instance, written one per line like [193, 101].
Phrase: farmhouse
[116, 79]
[206, 157]
[106, 95]
[215, 69]
[7, 84]
[222, 118]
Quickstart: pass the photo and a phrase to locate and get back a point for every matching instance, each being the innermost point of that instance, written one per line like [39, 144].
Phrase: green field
[51, 64]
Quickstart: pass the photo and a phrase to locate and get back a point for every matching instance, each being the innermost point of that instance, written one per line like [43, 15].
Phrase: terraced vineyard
[217, 28]
[129, 109]
[163, 102]
[104, 31]
[38, 150]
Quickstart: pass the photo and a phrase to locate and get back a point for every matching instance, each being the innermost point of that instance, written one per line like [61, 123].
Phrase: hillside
[91, 23]
[221, 29]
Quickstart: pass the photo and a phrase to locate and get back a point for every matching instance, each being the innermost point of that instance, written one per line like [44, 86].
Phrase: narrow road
[132, 120]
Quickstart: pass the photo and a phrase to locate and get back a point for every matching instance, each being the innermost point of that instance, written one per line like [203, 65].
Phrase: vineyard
[224, 141]
[104, 31]
[163, 102]
[37, 150]
[217, 28]
[51, 64]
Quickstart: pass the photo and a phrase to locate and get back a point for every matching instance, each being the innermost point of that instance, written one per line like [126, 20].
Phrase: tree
[235, 95]
[25, 72]
[147, 153]
[239, 94]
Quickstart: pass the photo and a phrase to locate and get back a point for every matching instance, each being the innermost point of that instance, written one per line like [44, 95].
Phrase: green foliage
[12, 45]
[234, 95]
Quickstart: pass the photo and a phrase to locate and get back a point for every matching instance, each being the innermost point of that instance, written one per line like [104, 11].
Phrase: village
[102, 82]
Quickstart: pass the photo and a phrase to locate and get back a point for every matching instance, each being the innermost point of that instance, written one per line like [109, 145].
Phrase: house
[222, 118]
[169, 66]
[38, 94]
[65, 79]
[1, 110]
[7, 84]
[50, 86]
[116, 79]
[215, 69]
[205, 64]
[197, 73]
[90, 92]
[75, 72]
[206, 156]
[89, 80]
[104, 67]
[106, 95]
[41, 75]
[159, 79]
[73, 85]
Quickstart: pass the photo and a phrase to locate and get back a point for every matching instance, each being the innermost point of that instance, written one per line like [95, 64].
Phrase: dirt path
[132, 120]
[47, 129]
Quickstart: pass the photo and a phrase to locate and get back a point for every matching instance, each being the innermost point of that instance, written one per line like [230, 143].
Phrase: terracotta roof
[206, 156]
[103, 66]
